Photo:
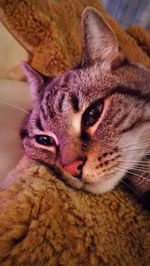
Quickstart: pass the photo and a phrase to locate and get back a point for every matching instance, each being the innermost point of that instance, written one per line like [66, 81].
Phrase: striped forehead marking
[77, 119]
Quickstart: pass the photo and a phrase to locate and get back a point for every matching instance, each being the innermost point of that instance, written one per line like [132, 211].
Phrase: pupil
[45, 140]
[92, 116]
[93, 113]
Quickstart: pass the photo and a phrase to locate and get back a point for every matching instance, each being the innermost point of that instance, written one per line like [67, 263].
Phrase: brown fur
[44, 36]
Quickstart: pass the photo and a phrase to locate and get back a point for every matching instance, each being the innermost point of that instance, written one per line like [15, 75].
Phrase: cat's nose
[75, 168]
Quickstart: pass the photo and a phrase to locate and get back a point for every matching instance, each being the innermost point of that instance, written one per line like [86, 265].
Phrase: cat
[92, 124]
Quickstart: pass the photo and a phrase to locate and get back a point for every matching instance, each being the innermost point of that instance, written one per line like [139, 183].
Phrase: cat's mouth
[72, 180]
[97, 187]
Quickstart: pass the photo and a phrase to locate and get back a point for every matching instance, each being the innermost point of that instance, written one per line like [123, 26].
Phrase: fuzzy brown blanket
[43, 221]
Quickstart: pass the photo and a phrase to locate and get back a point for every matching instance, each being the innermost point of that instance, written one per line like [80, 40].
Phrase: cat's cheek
[100, 180]
[45, 157]
[92, 173]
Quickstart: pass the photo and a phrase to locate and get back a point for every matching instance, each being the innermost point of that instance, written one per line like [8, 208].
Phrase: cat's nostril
[79, 167]
[74, 168]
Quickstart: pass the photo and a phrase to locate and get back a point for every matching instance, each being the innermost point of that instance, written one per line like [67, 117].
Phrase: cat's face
[89, 123]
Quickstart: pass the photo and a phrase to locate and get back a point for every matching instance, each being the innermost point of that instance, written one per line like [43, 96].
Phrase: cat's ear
[99, 41]
[34, 79]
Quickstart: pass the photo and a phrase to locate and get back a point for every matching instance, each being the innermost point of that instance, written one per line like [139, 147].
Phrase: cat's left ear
[34, 79]
[100, 43]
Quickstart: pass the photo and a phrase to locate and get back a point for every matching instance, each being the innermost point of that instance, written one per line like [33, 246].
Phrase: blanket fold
[50, 32]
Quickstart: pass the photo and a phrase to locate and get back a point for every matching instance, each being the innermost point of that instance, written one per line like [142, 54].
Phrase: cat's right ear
[34, 79]
[100, 43]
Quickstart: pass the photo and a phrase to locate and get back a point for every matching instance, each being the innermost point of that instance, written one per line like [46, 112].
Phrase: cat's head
[91, 124]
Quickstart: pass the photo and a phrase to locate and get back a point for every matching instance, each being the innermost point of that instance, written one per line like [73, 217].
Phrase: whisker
[134, 149]
[146, 170]
[141, 177]
[135, 145]
[129, 187]
[137, 163]
[132, 189]
[130, 171]
[135, 152]
[134, 175]
[142, 168]
[14, 106]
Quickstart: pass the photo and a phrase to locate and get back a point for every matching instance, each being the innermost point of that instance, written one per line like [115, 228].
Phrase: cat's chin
[94, 188]
[102, 186]
[98, 187]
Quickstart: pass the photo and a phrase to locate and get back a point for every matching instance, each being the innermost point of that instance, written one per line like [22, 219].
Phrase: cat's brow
[39, 124]
[60, 102]
[43, 112]
[128, 92]
[74, 102]
[49, 107]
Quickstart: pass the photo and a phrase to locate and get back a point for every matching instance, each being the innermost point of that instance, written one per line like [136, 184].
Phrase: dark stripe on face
[50, 112]
[85, 136]
[122, 120]
[133, 126]
[43, 112]
[129, 92]
[38, 124]
[47, 99]
[23, 133]
[74, 102]
[60, 103]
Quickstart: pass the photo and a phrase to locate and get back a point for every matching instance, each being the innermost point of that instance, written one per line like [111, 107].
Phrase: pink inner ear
[34, 79]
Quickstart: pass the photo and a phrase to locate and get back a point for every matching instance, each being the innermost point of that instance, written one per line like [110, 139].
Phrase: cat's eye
[92, 114]
[45, 140]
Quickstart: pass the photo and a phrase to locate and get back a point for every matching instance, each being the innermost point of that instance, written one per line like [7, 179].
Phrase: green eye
[91, 115]
[45, 140]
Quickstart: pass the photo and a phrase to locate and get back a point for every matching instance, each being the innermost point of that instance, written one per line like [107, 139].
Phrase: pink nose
[74, 168]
